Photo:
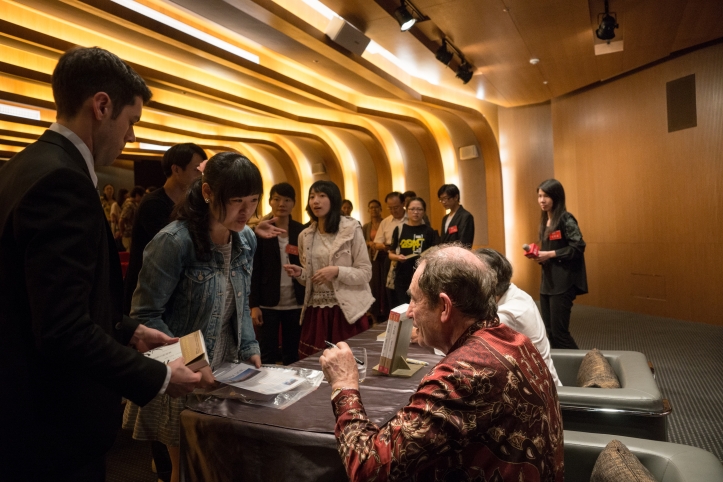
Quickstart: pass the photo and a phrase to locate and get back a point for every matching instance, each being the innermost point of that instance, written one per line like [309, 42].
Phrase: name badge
[452, 229]
[555, 235]
[291, 249]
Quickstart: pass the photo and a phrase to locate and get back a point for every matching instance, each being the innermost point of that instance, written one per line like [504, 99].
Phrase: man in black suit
[458, 225]
[61, 323]
[276, 299]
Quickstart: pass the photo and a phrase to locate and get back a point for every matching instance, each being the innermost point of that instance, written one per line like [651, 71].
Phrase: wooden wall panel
[527, 160]
[649, 202]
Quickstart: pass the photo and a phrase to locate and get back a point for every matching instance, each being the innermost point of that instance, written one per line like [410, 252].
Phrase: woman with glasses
[409, 241]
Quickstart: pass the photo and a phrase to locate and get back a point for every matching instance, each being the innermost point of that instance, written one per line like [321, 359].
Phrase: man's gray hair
[470, 285]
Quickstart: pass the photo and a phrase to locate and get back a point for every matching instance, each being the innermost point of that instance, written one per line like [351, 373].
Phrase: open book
[191, 347]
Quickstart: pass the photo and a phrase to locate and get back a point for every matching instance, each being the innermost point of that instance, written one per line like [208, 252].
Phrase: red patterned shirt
[487, 412]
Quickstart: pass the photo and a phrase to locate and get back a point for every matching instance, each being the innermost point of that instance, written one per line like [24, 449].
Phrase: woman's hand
[292, 270]
[399, 258]
[208, 382]
[325, 274]
[256, 316]
[267, 229]
[255, 360]
[545, 256]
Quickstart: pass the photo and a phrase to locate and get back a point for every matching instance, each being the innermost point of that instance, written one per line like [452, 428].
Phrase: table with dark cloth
[225, 439]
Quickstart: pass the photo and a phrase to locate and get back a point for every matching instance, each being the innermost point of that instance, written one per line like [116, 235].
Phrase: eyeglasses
[416, 210]
[444, 199]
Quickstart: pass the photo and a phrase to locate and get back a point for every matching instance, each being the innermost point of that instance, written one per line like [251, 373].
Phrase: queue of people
[197, 265]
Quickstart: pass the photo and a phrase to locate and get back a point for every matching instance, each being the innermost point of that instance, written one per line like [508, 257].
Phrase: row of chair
[635, 414]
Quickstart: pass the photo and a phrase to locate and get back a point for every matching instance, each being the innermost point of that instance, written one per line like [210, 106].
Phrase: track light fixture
[406, 18]
[464, 72]
[444, 55]
[606, 30]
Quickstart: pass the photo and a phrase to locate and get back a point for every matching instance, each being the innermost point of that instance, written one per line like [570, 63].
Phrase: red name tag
[452, 229]
[555, 235]
[291, 249]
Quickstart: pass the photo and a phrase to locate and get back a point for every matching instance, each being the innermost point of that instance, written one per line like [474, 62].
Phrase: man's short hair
[500, 265]
[394, 194]
[451, 190]
[470, 286]
[283, 189]
[180, 155]
[83, 72]
[137, 191]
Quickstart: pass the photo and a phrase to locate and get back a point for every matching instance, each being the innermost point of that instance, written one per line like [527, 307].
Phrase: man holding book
[488, 410]
[61, 322]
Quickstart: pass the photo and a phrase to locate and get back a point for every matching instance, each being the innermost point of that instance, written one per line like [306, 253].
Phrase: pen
[331, 345]
[416, 362]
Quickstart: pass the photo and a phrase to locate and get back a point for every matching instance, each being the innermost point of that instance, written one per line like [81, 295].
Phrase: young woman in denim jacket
[196, 275]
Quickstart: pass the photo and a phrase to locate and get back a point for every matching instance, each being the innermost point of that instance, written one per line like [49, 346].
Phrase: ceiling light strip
[187, 29]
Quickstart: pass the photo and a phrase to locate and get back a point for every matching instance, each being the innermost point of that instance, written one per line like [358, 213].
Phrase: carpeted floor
[688, 361]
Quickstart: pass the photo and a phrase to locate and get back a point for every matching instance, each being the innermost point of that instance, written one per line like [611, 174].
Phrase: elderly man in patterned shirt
[488, 411]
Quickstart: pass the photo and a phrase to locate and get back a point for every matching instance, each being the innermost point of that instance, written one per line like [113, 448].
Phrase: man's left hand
[145, 339]
[339, 367]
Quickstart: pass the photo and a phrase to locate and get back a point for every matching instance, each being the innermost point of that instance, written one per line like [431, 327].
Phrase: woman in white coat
[335, 269]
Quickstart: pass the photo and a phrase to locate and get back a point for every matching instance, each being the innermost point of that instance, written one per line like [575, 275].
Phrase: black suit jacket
[266, 275]
[464, 221]
[61, 328]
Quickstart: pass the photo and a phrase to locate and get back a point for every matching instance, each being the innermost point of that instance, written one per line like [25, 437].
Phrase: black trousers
[289, 320]
[555, 311]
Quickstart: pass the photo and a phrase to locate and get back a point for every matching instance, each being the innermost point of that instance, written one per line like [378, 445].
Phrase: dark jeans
[555, 311]
[290, 322]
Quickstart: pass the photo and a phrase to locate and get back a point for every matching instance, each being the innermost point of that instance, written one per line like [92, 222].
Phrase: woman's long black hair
[554, 189]
[334, 216]
[229, 175]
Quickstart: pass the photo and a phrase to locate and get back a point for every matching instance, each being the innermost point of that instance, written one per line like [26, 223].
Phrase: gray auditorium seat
[666, 461]
[637, 409]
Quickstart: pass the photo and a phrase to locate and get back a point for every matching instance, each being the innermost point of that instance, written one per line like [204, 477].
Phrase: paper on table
[260, 380]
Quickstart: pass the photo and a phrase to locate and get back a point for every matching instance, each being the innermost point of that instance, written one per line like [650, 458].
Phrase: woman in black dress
[563, 263]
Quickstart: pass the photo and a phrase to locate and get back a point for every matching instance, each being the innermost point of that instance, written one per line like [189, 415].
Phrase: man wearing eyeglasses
[458, 225]
[383, 239]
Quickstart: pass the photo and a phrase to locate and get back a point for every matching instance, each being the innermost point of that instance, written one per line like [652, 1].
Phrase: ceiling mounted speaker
[468, 152]
[344, 33]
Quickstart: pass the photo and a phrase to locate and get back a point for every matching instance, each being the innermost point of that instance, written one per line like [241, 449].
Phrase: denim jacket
[178, 294]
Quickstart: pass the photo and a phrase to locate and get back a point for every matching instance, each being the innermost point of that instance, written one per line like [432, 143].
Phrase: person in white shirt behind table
[383, 239]
[517, 309]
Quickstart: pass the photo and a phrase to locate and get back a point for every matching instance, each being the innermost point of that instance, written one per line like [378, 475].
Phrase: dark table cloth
[226, 439]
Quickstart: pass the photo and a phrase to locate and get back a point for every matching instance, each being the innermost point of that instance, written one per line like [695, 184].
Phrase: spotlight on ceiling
[405, 19]
[606, 30]
[464, 72]
[444, 55]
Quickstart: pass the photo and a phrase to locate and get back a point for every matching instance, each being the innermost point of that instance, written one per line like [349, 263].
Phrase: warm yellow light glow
[187, 29]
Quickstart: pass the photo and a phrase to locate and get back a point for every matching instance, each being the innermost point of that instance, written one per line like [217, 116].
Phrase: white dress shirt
[518, 310]
[88, 157]
[386, 229]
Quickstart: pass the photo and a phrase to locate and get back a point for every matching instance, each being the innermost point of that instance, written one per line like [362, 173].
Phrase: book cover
[191, 347]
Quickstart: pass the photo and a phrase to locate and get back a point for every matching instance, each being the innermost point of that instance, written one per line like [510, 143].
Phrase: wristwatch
[337, 391]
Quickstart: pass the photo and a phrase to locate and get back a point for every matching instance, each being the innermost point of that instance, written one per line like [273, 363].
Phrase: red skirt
[321, 324]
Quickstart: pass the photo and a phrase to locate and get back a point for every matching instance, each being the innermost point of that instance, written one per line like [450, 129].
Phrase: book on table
[393, 360]
[191, 347]
[263, 383]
